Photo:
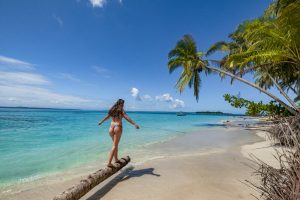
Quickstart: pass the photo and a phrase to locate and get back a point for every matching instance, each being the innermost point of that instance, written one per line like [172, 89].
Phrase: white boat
[180, 114]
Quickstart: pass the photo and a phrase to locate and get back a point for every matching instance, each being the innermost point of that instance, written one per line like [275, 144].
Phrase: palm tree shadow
[123, 176]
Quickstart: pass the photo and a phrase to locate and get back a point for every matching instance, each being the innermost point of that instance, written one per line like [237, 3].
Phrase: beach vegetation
[272, 108]
[267, 47]
[283, 182]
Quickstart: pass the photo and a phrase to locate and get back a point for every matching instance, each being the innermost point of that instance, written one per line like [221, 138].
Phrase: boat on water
[180, 114]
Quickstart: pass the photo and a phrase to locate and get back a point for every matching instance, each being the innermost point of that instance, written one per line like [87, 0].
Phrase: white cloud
[101, 70]
[22, 95]
[68, 76]
[97, 3]
[136, 94]
[58, 20]
[177, 104]
[19, 88]
[165, 97]
[25, 89]
[12, 99]
[12, 62]
[22, 78]
[174, 104]
[147, 97]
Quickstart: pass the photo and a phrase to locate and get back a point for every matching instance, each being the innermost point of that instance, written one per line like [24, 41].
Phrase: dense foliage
[255, 109]
[267, 47]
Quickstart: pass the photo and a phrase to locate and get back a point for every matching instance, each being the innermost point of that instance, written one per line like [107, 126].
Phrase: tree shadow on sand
[123, 176]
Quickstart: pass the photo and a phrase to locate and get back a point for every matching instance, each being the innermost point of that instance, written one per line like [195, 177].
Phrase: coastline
[207, 167]
[216, 174]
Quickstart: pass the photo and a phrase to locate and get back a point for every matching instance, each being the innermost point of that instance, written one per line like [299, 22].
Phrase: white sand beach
[214, 174]
[265, 150]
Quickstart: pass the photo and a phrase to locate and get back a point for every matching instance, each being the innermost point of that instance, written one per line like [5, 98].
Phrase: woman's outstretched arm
[103, 120]
[130, 120]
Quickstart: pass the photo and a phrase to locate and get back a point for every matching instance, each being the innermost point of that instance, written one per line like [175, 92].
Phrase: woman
[116, 113]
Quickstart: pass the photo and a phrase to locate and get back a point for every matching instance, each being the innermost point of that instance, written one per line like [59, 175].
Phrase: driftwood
[85, 185]
[287, 131]
[282, 183]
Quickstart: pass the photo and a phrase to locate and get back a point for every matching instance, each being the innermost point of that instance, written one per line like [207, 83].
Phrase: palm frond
[183, 81]
[185, 55]
[219, 46]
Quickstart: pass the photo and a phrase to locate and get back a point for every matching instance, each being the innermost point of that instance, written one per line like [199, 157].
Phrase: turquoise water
[38, 142]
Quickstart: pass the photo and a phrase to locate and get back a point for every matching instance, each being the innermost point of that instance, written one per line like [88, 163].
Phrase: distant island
[211, 112]
[25, 107]
[217, 113]
[130, 111]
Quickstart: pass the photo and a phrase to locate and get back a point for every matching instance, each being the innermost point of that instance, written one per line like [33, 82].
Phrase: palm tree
[272, 49]
[269, 47]
[87, 184]
[186, 55]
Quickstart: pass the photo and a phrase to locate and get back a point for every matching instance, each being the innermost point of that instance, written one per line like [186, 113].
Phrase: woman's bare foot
[110, 165]
[118, 161]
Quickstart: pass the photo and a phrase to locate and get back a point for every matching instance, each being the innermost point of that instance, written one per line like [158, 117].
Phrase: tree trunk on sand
[294, 112]
[85, 185]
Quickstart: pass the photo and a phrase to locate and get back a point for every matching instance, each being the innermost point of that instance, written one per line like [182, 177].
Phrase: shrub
[282, 183]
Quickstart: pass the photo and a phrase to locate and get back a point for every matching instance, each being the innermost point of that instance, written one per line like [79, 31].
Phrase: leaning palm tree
[269, 47]
[186, 55]
[272, 49]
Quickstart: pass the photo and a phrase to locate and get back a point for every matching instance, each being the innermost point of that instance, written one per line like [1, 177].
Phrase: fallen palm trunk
[85, 185]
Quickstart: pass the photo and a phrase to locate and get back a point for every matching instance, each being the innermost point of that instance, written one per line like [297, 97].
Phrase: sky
[88, 53]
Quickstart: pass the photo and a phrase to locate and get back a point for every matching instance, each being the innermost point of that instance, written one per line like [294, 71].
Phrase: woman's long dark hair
[117, 110]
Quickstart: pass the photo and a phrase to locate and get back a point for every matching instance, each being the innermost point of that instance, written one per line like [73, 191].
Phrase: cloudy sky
[88, 53]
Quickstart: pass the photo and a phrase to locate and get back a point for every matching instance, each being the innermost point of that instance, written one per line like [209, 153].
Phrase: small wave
[30, 178]
[23, 180]
[144, 160]
[6, 191]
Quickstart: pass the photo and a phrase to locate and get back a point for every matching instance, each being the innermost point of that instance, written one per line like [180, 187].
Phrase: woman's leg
[116, 138]
[111, 133]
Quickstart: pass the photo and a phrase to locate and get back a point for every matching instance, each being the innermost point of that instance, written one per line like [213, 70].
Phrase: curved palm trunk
[294, 112]
[284, 94]
[85, 185]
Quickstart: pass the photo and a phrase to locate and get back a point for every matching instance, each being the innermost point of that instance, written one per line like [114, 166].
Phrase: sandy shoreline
[190, 167]
[264, 150]
[216, 174]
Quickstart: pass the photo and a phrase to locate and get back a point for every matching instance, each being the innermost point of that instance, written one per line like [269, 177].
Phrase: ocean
[36, 143]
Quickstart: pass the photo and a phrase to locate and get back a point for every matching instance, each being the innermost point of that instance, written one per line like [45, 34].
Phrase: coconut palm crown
[186, 55]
